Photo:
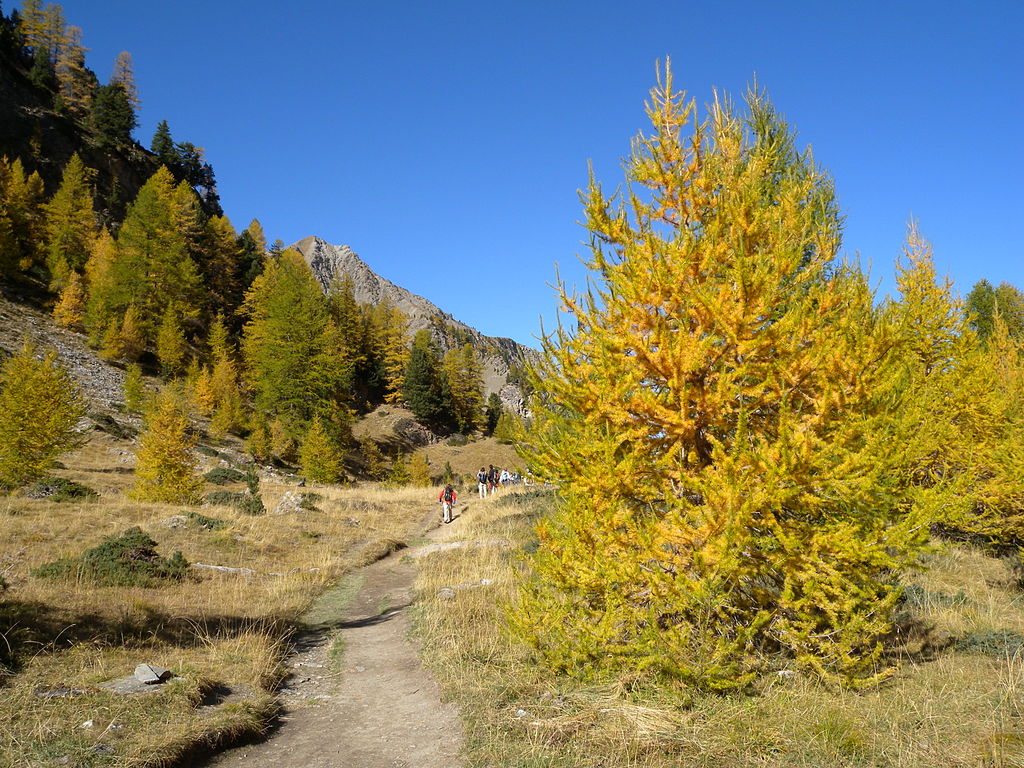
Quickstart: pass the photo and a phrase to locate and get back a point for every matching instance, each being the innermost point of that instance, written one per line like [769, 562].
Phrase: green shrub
[209, 523]
[106, 423]
[309, 501]
[223, 476]
[128, 560]
[207, 451]
[457, 440]
[59, 489]
[999, 643]
[225, 498]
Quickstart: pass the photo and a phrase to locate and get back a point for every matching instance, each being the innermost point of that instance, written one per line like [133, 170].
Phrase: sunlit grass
[944, 707]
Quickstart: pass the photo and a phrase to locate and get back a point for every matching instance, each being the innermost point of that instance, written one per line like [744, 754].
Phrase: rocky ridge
[501, 357]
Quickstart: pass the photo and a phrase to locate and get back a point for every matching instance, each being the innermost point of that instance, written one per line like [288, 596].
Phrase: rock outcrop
[502, 358]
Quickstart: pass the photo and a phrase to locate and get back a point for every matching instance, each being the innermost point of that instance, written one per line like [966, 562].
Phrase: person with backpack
[481, 482]
[448, 497]
[492, 478]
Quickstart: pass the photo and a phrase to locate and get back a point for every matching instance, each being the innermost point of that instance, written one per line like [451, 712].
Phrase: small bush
[999, 644]
[522, 498]
[225, 498]
[223, 476]
[309, 501]
[59, 489]
[209, 523]
[207, 451]
[457, 440]
[128, 560]
[106, 423]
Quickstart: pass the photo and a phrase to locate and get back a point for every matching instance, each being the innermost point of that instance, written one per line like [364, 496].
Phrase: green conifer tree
[70, 222]
[171, 348]
[425, 388]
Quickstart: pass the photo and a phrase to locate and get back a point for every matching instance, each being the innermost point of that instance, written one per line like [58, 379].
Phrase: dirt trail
[383, 710]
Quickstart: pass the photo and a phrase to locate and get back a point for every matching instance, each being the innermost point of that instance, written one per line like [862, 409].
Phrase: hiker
[448, 498]
[481, 481]
[492, 478]
[506, 478]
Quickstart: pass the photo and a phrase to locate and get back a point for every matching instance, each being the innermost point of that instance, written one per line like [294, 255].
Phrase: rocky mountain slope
[503, 359]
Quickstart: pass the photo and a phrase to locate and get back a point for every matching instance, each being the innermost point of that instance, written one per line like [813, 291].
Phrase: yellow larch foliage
[723, 418]
[69, 310]
[165, 467]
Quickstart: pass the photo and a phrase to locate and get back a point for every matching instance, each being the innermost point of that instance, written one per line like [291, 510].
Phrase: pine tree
[70, 222]
[419, 470]
[228, 410]
[100, 305]
[399, 476]
[320, 458]
[507, 428]
[21, 217]
[124, 76]
[152, 268]
[492, 414]
[75, 82]
[136, 394]
[258, 443]
[288, 343]
[69, 310]
[373, 459]
[465, 382]
[723, 418]
[282, 441]
[162, 146]
[131, 336]
[425, 388]
[222, 266]
[165, 467]
[390, 344]
[113, 118]
[170, 344]
[40, 406]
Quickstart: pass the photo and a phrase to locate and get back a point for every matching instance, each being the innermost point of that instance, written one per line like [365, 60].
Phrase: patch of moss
[59, 489]
[309, 501]
[128, 560]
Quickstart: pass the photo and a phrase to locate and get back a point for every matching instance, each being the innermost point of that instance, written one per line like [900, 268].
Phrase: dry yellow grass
[221, 632]
[952, 707]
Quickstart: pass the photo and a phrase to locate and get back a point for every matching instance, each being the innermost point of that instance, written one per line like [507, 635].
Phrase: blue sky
[445, 142]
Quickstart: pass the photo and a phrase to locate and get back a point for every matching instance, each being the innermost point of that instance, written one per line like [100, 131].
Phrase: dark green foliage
[113, 118]
[309, 501]
[425, 389]
[106, 423]
[59, 489]
[128, 560]
[457, 440]
[41, 74]
[253, 504]
[209, 523]
[223, 476]
[984, 302]
[163, 145]
[492, 413]
[207, 451]
[998, 643]
[225, 498]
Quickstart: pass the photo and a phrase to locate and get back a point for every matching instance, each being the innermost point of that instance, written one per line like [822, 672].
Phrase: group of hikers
[488, 480]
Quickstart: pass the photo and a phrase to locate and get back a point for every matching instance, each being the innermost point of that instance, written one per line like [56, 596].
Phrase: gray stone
[151, 675]
[59, 692]
[127, 686]
[290, 503]
[446, 594]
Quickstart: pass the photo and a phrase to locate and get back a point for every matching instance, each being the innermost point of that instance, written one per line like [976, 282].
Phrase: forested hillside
[131, 248]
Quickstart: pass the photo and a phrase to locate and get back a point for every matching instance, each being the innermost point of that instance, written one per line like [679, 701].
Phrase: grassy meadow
[224, 634]
[956, 700]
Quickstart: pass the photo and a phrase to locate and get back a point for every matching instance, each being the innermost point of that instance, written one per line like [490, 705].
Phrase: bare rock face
[500, 356]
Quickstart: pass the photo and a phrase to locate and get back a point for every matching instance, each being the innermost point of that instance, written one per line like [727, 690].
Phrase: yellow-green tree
[69, 311]
[21, 217]
[225, 392]
[70, 222]
[40, 406]
[391, 346]
[320, 457]
[419, 469]
[723, 416]
[170, 344]
[165, 466]
[465, 384]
